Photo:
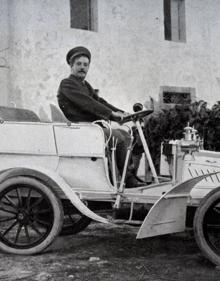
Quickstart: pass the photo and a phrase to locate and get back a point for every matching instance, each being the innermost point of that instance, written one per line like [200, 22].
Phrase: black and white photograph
[109, 140]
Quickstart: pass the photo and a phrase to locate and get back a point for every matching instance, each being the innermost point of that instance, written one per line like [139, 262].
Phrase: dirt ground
[112, 253]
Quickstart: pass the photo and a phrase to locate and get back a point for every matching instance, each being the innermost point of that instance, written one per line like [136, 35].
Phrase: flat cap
[77, 51]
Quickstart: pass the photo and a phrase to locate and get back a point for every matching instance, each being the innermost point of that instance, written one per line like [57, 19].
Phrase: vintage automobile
[55, 177]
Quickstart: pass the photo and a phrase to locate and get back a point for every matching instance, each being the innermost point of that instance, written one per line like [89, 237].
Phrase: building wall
[130, 58]
[4, 49]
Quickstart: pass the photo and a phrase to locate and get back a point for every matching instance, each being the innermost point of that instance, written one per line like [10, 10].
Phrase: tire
[74, 221]
[74, 224]
[31, 216]
[207, 226]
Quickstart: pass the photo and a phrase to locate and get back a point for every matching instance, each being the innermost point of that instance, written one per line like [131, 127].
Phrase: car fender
[168, 214]
[51, 178]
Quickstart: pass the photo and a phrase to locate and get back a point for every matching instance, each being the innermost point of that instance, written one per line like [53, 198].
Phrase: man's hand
[118, 116]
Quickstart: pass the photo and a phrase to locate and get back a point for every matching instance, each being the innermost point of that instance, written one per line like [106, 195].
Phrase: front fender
[168, 214]
[50, 178]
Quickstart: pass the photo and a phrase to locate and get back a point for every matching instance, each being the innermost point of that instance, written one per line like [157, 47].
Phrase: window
[170, 96]
[83, 14]
[177, 98]
[174, 20]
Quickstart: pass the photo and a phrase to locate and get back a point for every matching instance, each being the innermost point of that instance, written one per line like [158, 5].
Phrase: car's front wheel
[207, 226]
[31, 216]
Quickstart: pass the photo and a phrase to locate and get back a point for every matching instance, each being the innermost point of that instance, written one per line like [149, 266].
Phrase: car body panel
[168, 215]
[55, 182]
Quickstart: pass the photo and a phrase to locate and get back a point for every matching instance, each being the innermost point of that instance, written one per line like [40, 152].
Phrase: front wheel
[207, 226]
[74, 221]
[74, 224]
[31, 216]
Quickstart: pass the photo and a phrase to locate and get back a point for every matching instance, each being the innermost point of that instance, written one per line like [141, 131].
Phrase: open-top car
[55, 177]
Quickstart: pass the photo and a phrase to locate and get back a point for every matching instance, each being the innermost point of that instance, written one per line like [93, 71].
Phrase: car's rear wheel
[31, 216]
[207, 226]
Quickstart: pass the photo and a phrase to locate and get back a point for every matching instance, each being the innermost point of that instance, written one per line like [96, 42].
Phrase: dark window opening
[170, 96]
[174, 20]
[176, 98]
[167, 20]
[83, 14]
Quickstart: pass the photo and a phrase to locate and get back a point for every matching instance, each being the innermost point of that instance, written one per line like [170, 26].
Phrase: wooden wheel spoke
[44, 211]
[73, 220]
[216, 243]
[10, 227]
[17, 233]
[7, 219]
[216, 210]
[213, 226]
[19, 196]
[39, 200]
[29, 197]
[10, 201]
[42, 222]
[8, 211]
[35, 229]
[27, 233]
[7, 204]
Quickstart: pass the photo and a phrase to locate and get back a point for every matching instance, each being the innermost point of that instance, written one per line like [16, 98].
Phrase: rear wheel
[207, 226]
[31, 216]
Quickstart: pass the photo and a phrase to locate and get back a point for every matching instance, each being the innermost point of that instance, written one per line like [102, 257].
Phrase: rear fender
[52, 179]
[168, 215]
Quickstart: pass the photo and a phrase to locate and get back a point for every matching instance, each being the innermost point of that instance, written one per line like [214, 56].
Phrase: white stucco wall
[4, 48]
[130, 58]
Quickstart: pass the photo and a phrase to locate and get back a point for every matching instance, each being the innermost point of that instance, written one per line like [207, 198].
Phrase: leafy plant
[168, 125]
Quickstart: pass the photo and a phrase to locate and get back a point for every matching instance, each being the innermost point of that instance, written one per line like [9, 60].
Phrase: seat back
[57, 115]
[18, 114]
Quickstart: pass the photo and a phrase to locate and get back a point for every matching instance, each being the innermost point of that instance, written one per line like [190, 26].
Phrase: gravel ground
[112, 253]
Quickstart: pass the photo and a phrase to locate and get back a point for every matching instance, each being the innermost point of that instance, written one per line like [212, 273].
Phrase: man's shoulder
[71, 79]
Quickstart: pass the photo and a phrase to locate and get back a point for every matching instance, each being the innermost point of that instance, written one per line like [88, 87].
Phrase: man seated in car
[80, 103]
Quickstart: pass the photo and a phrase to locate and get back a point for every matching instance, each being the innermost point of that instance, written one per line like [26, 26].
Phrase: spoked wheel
[31, 216]
[207, 226]
[74, 221]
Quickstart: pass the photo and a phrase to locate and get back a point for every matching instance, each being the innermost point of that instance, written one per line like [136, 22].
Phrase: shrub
[168, 125]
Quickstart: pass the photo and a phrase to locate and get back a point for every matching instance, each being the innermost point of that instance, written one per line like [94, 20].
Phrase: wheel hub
[23, 217]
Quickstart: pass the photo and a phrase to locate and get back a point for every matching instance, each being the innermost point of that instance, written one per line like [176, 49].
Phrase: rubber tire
[205, 248]
[71, 229]
[57, 209]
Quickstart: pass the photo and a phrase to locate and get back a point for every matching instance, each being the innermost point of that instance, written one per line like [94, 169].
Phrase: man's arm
[80, 99]
[103, 101]
[113, 108]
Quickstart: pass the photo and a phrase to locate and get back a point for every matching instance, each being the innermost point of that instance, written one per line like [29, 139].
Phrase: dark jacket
[80, 103]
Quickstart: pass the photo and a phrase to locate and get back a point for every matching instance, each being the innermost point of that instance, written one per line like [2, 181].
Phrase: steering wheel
[136, 116]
